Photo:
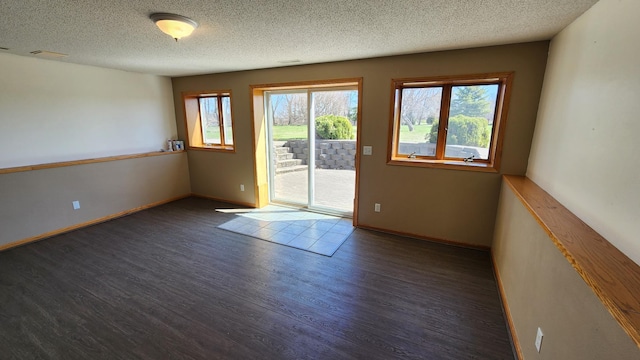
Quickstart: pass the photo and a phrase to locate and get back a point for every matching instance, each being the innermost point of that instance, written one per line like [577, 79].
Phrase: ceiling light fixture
[176, 26]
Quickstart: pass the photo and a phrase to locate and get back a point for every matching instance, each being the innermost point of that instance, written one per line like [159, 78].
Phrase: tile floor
[318, 233]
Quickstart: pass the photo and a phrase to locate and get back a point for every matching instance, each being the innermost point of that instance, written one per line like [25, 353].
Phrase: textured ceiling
[252, 34]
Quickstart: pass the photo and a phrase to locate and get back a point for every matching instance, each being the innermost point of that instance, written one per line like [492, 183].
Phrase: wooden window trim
[492, 164]
[193, 121]
[445, 103]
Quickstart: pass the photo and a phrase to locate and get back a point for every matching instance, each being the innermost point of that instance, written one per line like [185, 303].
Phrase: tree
[418, 104]
[353, 107]
[295, 109]
[291, 108]
[209, 107]
[331, 103]
[470, 101]
[353, 115]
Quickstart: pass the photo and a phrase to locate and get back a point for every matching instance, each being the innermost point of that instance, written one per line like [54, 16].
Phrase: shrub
[333, 127]
[464, 130]
[432, 136]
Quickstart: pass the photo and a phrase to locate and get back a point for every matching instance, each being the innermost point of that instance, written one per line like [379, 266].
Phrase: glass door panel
[288, 120]
[333, 173]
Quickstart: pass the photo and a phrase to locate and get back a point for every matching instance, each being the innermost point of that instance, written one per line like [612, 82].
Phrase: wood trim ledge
[85, 161]
[612, 276]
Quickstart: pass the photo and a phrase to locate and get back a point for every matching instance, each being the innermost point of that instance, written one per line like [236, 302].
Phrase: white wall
[53, 111]
[586, 145]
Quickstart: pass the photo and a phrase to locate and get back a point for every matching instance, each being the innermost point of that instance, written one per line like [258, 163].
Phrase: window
[449, 122]
[209, 120]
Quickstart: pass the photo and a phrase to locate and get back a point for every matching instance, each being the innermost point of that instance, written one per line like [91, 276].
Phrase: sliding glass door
[312, 147]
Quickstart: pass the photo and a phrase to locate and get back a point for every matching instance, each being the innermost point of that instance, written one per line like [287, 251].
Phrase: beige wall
[447, 204]
[39, 201]
[585, 147]
[52, 111]
[543, 290]
[583, 153]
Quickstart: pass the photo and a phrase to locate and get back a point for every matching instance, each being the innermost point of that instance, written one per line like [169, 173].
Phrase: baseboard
[240, 203]
[507, 313]
[88, 223]
[426, 238]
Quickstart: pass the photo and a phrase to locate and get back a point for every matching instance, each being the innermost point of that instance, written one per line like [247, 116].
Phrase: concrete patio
[333, 188]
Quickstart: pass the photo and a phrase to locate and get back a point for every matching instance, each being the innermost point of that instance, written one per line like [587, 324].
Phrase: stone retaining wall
[330, 154]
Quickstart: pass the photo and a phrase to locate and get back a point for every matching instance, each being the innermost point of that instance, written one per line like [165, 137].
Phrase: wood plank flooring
[165, 283]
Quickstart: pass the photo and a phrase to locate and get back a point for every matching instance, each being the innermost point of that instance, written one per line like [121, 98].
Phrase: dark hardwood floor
[165, 283]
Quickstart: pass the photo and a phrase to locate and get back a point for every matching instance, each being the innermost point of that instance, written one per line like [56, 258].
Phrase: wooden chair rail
[613, 277]
[84, 161]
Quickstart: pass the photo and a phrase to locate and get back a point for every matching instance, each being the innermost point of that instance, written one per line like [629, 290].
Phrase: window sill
[228, 149]
[445, 164]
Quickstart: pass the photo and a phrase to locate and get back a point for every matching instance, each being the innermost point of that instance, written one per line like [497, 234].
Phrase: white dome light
[176, 26]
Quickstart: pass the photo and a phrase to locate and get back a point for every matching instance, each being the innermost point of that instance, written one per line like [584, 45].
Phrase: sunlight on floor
[318, 233]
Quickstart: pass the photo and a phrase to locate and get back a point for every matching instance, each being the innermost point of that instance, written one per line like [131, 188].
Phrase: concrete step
[282, 149]
[284, 156]
[288, 163]
[289, 169]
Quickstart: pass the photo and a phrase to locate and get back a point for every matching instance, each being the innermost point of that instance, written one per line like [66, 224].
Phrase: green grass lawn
[286, 132]
[418, 135]
[213, 132]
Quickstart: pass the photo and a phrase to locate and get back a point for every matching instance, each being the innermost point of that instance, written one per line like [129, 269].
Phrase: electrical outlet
[241, 187]
[76, 204]
[367, 150]
[376, 207]
[539, 336]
